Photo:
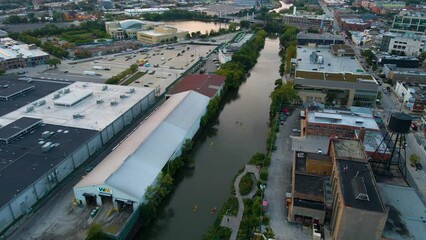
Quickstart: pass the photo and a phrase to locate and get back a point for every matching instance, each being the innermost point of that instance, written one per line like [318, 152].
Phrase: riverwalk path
[233, 222]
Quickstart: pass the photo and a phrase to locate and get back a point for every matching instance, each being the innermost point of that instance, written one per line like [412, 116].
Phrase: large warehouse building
[124, 175]
[52, 131]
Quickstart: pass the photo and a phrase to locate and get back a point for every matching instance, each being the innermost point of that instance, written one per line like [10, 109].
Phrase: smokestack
[361, 134]
[294, 11]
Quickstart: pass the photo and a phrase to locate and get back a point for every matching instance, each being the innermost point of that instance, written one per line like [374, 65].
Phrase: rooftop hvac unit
[30, 108]
[85, 85]
[46, 147]
[100, 101]
[46, 134]
[104, 88]
[77, 116]
[131, 90]
[56, 96]
[114, 103]
[123, 96]
[41, 102]
[67, 90]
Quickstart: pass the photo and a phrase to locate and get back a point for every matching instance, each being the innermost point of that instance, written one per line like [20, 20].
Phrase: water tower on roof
[390, 155]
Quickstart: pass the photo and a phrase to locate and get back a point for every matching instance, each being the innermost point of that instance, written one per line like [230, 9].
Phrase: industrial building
[161, 34]
[355, 194]
[210, 85]
[337, 187]
[409, 22]
[308, 21]
[411, 75]
[126, 28]
[124, 175]
[399, 61]
[310, 177]
[318, 39]
[46, 137]
[14, 55]
[325, 74]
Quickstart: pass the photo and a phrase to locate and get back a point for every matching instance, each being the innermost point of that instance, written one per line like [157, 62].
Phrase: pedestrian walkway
[233, 222]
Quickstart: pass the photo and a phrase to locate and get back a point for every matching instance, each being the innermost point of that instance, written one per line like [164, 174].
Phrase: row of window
[329, 129]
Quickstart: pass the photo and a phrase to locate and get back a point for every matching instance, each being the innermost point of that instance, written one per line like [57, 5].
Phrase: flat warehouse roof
[309, 185]
[17, 127]
[23, 161]
[348, 170]
[41, 89]
[331, 63]
[97, 105]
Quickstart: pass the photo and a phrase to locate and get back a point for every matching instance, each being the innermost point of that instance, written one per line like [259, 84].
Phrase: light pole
[262, 188]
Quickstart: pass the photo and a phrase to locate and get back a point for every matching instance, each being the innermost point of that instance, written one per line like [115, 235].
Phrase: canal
[220, 151]
[194, 26]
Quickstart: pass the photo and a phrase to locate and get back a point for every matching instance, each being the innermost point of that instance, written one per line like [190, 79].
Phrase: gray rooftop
[354, 170]
[41, 89]
[23, 161]
[350, 149]
[310, 144]
[323, 36]
[407, 208]
[330, 64]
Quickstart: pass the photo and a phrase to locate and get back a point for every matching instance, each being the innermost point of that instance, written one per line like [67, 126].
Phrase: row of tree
[176, 14]
[117, 78]
[288, 48]
[242, 61]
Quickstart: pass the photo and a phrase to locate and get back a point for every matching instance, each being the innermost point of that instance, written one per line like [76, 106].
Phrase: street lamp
[262, 188]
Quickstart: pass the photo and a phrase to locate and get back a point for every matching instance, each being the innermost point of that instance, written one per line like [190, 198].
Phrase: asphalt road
[279, 182]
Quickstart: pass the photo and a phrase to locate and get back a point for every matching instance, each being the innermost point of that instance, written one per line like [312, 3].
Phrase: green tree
[95, 232]
[414, 158]
[422, 57]
[2, 72]
[244, 24]
[53, 62]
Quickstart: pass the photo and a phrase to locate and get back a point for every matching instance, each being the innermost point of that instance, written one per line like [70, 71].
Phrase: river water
[220, 151]
[194, 26]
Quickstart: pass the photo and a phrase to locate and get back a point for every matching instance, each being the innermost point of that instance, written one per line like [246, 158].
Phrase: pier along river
[220, 151]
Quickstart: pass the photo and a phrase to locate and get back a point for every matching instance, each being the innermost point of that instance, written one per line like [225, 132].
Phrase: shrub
[246, 184]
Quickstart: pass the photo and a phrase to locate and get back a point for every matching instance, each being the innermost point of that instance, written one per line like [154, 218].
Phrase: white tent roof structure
[137, 161]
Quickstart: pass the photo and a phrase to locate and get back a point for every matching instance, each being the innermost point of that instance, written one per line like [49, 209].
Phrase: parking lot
[162, 64]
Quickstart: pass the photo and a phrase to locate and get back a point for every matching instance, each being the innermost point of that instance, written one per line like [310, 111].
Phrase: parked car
[419, 166]
[295, 130]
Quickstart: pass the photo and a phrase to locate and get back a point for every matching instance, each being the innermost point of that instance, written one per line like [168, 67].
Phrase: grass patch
[135, 77]
[246, 184]
[230, 207]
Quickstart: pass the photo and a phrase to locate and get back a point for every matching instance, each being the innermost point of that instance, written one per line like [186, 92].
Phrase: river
[194, 26]
[220, 151]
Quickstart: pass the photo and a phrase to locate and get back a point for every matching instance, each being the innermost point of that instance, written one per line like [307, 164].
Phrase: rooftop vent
[131, 90]
[123, 96]
[359, 189]
[104, 88]
[114, 103]
[67, 90]
[56, 96]
[46, 134]
[77, 116]
[41, 102]
[30, 108]
[47, 146]
[6, 86]
[100, 101]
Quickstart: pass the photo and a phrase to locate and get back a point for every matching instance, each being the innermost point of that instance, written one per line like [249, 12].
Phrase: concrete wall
[115, 194]
[308, 212]
[353, 220]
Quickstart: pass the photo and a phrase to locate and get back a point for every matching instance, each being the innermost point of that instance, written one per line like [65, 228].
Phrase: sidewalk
[233, 222]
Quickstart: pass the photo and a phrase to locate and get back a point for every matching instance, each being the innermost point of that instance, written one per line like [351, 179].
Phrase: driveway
[279, 182]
